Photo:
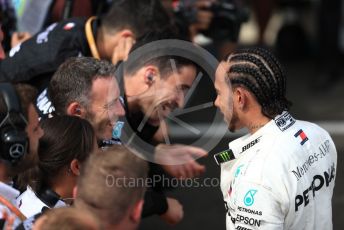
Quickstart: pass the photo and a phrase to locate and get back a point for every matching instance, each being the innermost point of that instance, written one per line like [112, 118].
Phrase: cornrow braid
[263, 69]
[276, 67]
[260, 72]
[249, 71]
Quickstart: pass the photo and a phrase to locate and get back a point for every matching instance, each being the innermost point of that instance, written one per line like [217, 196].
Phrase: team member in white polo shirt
[19, 134]
[66, 144]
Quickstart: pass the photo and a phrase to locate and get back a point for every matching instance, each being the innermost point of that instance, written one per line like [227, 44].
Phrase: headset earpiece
[13, 138]
[78, 110]
[150, 78]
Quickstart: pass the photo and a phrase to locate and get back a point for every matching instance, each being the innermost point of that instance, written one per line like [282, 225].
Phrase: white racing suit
[282, 177]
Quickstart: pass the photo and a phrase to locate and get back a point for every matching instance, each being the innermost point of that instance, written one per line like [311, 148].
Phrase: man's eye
[112, 104]
[184, 89]
[107, 106]
[36, 128]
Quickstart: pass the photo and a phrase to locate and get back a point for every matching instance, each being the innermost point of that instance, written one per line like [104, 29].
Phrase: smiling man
[281, 174]
[154, 85]
[87, 88]
[153, 89]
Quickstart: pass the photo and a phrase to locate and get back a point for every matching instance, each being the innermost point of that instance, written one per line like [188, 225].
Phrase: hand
[174, 213]
[122, 49]
[179, 160]
[9, 220]
[19, 37]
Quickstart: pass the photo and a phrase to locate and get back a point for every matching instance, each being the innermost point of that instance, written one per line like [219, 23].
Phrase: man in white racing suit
[281, 175]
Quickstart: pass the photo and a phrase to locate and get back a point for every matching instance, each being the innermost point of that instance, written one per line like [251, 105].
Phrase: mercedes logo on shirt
[17, 150]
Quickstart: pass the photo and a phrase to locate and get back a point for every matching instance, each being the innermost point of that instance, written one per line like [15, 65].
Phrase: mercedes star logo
[17, 150]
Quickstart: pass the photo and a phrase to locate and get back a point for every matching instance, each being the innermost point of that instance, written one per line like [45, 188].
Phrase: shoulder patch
[43, 36]
[284, 121]
[302, 136]
[69, 26]
[224, 156]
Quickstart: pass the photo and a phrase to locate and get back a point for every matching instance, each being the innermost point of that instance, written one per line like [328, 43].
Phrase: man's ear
[75, 109]
[126, 33]
[136, 211]
[150, 74]
[75, 167]
[240, 97]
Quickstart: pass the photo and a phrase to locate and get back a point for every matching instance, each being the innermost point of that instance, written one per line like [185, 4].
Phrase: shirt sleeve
[40, 55]
[155, 203]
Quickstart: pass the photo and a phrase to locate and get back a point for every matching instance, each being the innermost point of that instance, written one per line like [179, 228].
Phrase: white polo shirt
[29, 204]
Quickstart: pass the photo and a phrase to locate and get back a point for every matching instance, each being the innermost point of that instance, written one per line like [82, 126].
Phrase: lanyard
[12, 208]
[90, 38]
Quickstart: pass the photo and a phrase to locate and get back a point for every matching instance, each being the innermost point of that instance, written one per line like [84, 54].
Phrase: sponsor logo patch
[43, 36]
[318, 182]
[250, 211]
[242, 228]
[44, 105]
[224, 156]
[251, 144]
[237, 171]
[285, 121]
[69, 26]
[249, 197]
[301, 170]
[247, 220]
[302, 135]
[117, 130]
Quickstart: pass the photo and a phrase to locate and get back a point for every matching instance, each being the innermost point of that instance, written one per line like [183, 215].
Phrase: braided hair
[259, 71]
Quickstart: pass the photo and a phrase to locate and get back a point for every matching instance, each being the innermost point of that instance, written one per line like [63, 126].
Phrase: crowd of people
[70, 90]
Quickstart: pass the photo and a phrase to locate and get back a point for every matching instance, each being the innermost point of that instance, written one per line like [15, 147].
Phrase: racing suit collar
[281, 122]
[239, 145]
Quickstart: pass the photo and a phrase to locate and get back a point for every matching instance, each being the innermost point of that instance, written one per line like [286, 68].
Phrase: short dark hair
[165, 64]
[97, 190]
[65, 138]
[261, 73]
[138, 16]
[73, 81]
[161, 58]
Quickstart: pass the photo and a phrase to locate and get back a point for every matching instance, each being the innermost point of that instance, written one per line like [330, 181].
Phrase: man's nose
[216, 102]
[180, 99]
[119, 109]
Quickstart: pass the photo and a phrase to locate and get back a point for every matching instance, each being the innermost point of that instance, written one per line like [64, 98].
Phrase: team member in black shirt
[109, 37]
